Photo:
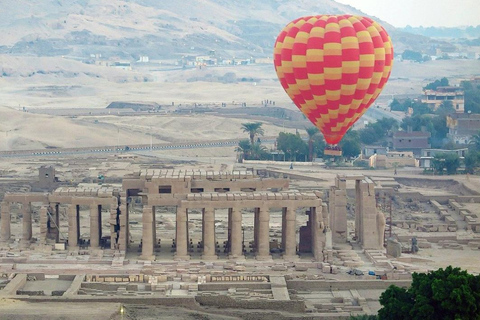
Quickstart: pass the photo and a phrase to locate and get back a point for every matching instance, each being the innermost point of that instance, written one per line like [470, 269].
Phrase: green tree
[437, 83]
[312, 132]
[412, 55]
[448, 161]
[471, 161]
[397, 303]
[364, 317]
[292, 145]
[445, 108]
[377, 132]
[472, 97]
[395, 105]
[244, 148]
[319, 145]
[350, 144]
[253, 129]
[258, 152]
[441, 294]
[475, 141]
[420, 108]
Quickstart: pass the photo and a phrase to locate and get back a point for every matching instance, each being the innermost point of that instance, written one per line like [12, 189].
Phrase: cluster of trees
[292, 145]
[472, 97]
[441, 294]
[252, 148]
[437, 83]
[414, 56]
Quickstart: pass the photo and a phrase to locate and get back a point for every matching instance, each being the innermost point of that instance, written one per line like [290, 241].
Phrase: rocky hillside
[159, 28]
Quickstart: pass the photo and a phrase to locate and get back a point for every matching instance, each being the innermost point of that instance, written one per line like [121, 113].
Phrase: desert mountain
[159, 28]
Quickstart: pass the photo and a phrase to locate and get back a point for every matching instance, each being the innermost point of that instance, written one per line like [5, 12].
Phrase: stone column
[114, 223]
[181, 234]
[236, 235]
[43, 224]
[358, 212]
[290, 235]
[95, 226]
[264, 235]
[338, 211]
[26, 224]
[209, 234]
[73, 226]
[55, 221]
[122, 231]
[256, 228]
[284, 224]
[373, 222]
[147, 234]
[317, 232]
[5, 222]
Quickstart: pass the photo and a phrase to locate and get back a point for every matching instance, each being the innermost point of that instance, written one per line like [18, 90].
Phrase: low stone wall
[179, 302]
[30, 293]
[230, 303]
[323, 285]
[223, 286]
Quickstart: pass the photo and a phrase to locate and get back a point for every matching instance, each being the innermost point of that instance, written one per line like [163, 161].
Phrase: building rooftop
[405, 134]
[194, 174]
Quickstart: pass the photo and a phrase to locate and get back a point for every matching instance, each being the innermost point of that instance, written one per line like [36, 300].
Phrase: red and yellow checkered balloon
[333, 67]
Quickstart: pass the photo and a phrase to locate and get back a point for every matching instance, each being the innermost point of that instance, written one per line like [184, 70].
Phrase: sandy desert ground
[59, 83]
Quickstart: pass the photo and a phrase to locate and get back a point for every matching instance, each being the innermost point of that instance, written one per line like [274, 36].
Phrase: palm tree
[253, 129]
[257, 150]
[244, 147]
[312, 132]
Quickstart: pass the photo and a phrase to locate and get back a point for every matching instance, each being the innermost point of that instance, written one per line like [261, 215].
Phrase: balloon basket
[333, 152]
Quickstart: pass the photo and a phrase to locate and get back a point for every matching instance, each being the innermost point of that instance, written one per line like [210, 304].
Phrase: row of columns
[235, 237]
[49, 223]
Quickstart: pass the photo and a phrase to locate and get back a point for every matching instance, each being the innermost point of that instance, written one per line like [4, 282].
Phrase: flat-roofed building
[456, 95]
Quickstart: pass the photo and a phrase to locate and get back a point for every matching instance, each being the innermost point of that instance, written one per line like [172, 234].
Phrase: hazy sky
[399, 13]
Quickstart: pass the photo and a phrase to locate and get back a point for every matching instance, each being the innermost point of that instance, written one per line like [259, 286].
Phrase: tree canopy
[472, 97]
[441, 294]
[253, 129]
[446, 161]
[437, 83]
[350, 144]
[292, 145]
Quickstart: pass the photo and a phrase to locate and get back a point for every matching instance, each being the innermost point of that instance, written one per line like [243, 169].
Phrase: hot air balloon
[333, 67]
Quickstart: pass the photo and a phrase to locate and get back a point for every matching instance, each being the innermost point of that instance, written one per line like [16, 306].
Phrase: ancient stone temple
[241, 194]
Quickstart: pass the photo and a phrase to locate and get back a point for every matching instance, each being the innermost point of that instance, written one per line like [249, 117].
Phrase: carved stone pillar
[236, 234]
[26, 223]
[123, 234]
[73, 226]
[290, 235]
[95, 225]
[209, 234]
[43, 224]
[148, 241]
[5, 222]
[263, 234]
[181, 235]
[256, 228]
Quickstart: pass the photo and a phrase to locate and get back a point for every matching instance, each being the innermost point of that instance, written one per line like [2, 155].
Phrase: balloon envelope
[333, 67]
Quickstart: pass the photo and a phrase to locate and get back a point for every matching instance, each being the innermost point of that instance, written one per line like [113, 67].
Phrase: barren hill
[157, 28]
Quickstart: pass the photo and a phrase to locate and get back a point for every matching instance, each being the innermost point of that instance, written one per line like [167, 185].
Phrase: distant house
[393, 159]
[456, 95]
[413, 141]
[428, 155]
[461, 127]
[369, 151]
